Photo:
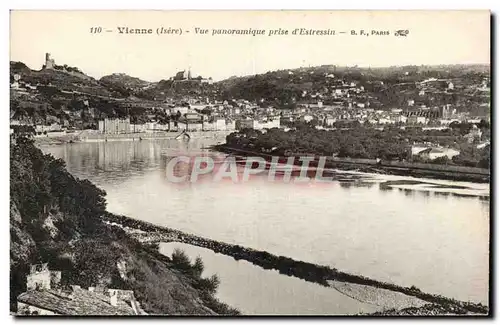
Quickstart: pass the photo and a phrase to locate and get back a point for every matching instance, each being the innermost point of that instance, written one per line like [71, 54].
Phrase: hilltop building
[186, 75]
[183, 75]
[49, 62]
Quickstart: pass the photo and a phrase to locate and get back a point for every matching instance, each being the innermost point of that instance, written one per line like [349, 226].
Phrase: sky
[435, 37]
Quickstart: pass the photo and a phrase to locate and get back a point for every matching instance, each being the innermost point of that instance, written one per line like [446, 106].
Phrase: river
[427, 233]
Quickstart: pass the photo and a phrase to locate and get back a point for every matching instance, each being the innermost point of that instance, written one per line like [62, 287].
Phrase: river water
[430, 234]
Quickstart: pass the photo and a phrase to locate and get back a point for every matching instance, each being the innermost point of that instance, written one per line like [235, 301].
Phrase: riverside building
[114, 126]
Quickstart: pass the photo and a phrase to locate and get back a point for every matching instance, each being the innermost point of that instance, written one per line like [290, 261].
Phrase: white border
[256, 4]
[218, 4]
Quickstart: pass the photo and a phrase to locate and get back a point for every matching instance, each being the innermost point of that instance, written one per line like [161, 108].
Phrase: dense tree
[40, 181]
[357, 141]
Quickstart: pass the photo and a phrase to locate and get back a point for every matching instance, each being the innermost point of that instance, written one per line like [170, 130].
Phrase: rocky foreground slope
[54, 219]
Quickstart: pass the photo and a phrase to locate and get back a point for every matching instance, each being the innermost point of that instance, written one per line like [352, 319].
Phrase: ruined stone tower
[49, 63]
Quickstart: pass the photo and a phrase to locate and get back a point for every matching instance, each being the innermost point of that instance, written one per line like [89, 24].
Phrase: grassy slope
[54, 218]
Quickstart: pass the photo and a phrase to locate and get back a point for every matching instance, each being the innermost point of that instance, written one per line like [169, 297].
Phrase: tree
[444, 160]
[180, 260]
[198, 267]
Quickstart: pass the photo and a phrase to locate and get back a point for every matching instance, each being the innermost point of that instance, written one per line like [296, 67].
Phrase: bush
[208, 285]
[180, 260]
[444, 160]
[198, 267]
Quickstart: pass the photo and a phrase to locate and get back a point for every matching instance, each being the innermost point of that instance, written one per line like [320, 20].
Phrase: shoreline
[284, 265]
[86, 137]
[420, 170]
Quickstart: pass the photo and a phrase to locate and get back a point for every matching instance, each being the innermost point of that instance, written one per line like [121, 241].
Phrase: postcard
[250, 163]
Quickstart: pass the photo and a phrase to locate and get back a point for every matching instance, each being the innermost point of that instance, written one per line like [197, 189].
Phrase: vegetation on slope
[386, 87]
[56, 218]
[392, 143]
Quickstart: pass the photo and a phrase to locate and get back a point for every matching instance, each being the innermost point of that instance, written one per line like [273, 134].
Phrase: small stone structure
[41, 277]
[45, 296]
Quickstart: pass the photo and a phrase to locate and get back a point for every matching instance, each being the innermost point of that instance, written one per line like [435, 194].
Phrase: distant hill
[124, 80]
[288, 86]
[18, 67]
[61, 94]
[63, 78]
[67, 94]
[360, 73]
[125, 85]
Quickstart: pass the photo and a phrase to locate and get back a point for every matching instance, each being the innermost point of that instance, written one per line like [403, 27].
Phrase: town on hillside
[61, 101]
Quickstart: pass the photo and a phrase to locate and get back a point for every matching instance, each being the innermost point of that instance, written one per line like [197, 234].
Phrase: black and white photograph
[250, 163]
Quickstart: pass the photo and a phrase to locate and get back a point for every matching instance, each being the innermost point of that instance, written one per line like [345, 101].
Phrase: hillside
[124, 80]
[359, 73]
[55, 218]
[381, 87]
[66, 79]
[124, 84]
[64, 95]
[67, 96]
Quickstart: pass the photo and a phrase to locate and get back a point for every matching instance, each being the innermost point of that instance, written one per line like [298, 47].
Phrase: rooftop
[74, 302]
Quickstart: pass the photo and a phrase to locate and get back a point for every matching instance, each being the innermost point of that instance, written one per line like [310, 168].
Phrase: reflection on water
[416, 235]
[253, 290]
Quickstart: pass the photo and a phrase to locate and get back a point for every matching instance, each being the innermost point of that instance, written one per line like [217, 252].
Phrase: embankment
[449, 172]
[285, 265]
[94, 136]
[99, 137]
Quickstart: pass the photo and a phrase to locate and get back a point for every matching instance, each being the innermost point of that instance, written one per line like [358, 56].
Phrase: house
[235, 110]
[269, 124]
[317, 105]
[246, 124]
[197, 106]
[230, 125]
[307, 118]
[474, 134]
[196, 126]
[40, 277]
[397, 118]
[182, 109]
[338, 91]
[432, 153]
[138, 128]
[329, 120]
[383, 120]
[483, 144]
[414, 119]
[114, 126]
[76, 301]
[447, 121]
[215, 124]
[46, 296]
[152, 127]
